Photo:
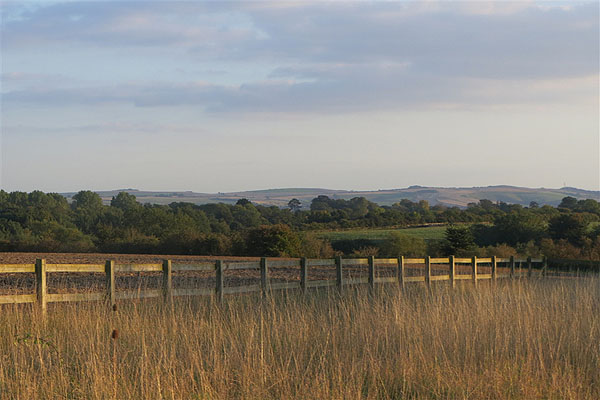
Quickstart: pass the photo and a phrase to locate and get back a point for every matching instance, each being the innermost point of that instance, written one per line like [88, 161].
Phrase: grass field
[517, 340]
[427, 233]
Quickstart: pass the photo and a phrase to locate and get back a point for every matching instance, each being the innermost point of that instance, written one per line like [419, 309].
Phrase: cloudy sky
[228, 96]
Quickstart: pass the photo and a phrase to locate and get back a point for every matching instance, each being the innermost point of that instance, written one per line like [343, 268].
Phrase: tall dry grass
[530, 339]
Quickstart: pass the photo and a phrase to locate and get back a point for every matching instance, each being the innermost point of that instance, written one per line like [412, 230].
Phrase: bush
[401, 244]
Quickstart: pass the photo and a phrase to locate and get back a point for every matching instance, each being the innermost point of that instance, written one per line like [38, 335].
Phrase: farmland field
[427, 233]
[520, 340]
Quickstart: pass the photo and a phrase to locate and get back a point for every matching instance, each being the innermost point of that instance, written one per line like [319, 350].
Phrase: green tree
[568, 226]
[401, 244]
[294, 205]
[273, 241]
[459, 240]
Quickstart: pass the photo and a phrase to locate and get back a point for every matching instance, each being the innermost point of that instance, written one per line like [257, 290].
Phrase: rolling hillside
[434, 195]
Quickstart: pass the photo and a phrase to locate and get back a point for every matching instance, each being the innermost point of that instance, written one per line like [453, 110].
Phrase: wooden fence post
[167, 281]
[109, 270]
[494, 269]
[544, 266]
[428, 271]
[303, 273]
[40, 288]
[529, 267]
[452, 266]
[372, 272]
[339, 273]
[219, 280]
[512, 267]
[401, 271]
[264, 275]
[474, 263]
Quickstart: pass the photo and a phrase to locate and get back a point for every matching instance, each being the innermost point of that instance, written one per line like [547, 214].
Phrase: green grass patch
[427, 233]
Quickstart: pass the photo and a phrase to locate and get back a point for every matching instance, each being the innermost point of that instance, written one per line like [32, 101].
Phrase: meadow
[518, 339]
[426, 233]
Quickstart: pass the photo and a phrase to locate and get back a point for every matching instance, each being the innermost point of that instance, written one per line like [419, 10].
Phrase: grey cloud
[532, 42]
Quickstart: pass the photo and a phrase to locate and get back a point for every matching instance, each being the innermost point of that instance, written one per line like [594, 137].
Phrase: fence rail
[220, 268]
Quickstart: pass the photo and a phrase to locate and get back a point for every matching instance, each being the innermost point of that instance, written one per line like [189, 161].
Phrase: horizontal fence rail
[513, 268]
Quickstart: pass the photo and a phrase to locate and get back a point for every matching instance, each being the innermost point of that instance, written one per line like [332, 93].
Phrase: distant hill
[434, 195]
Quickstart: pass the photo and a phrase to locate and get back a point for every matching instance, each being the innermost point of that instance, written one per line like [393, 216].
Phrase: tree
[568, 226]
[459, 240]
[401, 244]
[568, 202]
[273, 241]
[294, 205]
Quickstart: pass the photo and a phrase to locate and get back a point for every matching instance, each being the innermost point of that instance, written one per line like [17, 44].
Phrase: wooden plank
[392, 261]
[356, 261]
[512, 266]
[17, 298]
[219, 280]
[242, 289]
[109, 267]
[484, 260]
[359, 281]
[234, 266]
[386, 279]
[17, 268]
[64, 297]
[322, 283]
[371, 271]
[439, 260]
[135, 294]
[303, 273]
[339, 274]
[537, 260]
[462, 260]
[41, 288]
[401, 271]
[502, 276]
[502, 260]
[494, 267]
[414, 279]
[474, 267]
[194, 292]
[484, 276]
[75, 268]
[440, 277]
[452, 272]
[428, 270]
[284, 263]
[529, 266]
[205, 266]
[138, 267]
[285, 285]
[167, 280]
[322, 263]
[414, 261]
[264, 275]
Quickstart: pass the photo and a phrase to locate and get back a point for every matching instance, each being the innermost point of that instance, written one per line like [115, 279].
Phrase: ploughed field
[61, 282]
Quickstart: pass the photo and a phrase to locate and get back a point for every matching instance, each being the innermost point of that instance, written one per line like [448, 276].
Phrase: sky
[232, 96]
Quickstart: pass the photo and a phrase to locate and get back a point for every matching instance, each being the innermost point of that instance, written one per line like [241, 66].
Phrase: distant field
[427, 233]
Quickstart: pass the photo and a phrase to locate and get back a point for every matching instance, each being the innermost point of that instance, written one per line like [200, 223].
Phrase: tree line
[40, 221]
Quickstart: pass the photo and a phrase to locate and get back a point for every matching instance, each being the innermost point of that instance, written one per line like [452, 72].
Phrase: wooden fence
[220, 268]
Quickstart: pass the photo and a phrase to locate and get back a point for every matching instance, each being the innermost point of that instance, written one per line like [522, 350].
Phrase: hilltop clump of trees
[40, 221]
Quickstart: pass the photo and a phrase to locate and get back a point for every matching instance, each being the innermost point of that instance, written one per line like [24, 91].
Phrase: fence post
[512, 267]
[544, 266]
[109, 270]
[339, 273]
[303, 273]
[474, 262]
[372, 272]
[494, 268]
[401, 271]
[264, 275]
[529, 266]
[167, 281]
[452, 265]
[219, 280]
[40, 288]
[428, 271]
